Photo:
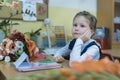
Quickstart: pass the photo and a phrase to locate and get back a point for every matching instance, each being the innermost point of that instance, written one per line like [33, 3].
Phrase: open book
[20, 65]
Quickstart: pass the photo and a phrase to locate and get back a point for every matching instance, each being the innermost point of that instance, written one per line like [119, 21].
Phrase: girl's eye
[82, 25]
[75, 25]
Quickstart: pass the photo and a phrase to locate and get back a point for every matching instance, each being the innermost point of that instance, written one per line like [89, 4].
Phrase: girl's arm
[75, 53]
[58, 57]
[63, 51]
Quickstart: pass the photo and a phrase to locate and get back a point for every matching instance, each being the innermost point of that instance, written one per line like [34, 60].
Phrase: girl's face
[80, 26]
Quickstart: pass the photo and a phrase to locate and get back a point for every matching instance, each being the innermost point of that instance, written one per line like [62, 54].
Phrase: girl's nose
[76, 28]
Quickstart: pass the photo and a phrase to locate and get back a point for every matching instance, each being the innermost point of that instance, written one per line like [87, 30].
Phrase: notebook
[23, 64]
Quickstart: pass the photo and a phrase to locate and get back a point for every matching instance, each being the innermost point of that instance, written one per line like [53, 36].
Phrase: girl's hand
[59, 58]
[86, 36]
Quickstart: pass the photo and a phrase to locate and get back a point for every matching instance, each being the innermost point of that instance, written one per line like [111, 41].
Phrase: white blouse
[75, 53]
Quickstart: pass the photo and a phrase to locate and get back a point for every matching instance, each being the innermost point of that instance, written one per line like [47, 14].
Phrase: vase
[38, 40]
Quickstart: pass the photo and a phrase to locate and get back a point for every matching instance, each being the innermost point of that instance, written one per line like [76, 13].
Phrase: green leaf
[111, 76]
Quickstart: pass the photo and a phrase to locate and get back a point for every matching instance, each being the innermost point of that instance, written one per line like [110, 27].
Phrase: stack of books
[60, 36]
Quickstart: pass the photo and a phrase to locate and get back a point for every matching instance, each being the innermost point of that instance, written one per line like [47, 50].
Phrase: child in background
[82, 46]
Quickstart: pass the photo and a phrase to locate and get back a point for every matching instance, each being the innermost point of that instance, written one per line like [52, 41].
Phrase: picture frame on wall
[41, 11]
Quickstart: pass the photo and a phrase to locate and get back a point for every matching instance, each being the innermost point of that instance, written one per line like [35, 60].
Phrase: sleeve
[75, 53]
[63, 51]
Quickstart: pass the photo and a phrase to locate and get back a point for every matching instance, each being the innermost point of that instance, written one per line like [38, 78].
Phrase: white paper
[21, 59]
[29, 10]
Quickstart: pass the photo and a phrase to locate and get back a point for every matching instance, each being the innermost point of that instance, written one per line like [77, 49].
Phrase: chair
[103, 43]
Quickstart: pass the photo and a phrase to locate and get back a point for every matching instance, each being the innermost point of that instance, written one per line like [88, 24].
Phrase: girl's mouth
[76, 33]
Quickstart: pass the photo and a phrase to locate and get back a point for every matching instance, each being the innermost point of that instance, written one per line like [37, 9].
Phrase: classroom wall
[61, 13]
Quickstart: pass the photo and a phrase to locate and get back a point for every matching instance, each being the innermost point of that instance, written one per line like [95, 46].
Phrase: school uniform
[78, 51]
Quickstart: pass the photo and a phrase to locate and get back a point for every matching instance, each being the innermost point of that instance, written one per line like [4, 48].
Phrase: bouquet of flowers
[15, 44]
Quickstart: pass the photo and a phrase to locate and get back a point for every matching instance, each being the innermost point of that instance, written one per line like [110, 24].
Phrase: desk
[7, 71]
[113, 52]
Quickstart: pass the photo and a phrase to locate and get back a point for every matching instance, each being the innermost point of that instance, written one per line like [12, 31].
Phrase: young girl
[82, 46]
